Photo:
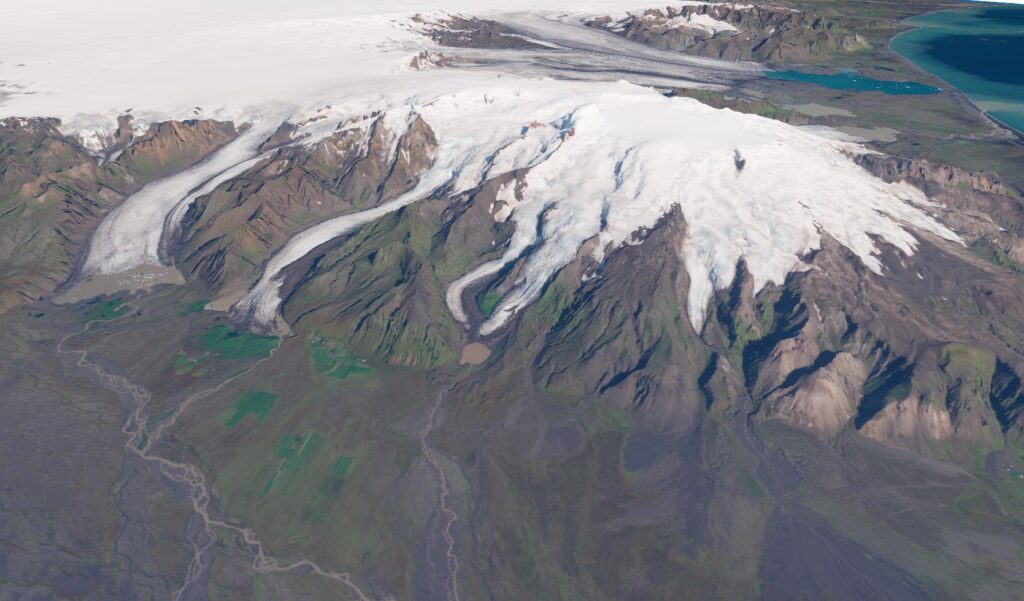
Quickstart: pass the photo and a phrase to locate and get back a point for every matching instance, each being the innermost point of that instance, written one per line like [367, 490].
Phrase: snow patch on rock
[702, 22]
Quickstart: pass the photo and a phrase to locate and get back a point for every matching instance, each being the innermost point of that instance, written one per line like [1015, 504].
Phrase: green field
[237, 345]
[294, 450]
[319, 508]
[341, 466]
[333, 362]
[111, 309]
[187, 364]
[195, 307]
[256, 402]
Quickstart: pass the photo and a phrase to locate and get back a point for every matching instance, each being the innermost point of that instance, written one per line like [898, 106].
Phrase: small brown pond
[474, 354]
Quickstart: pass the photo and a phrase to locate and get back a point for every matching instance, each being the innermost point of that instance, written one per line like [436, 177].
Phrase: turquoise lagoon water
[850, 80]
[978, 50]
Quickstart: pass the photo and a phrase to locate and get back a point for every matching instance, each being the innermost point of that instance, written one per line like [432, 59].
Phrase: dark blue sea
[978, 49]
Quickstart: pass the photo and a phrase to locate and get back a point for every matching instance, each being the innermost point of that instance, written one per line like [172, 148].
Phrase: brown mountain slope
[53, 193]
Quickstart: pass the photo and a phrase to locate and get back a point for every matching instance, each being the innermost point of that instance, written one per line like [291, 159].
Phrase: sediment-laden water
[978, 50]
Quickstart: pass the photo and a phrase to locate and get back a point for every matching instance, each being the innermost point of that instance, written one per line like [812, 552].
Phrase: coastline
[911, 27]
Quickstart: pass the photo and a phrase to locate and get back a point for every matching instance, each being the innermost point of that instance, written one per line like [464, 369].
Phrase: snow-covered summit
[602, 159]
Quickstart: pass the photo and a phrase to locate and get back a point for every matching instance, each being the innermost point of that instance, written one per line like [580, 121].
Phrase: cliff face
[979, 205]
[764, 34]
[53, 193]
[839, 350]
[936, 178]
[822, 398]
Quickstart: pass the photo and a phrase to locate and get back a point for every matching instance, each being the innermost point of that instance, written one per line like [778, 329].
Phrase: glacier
[599, 155]
[88, 63]
[131, 234]
[604, 160]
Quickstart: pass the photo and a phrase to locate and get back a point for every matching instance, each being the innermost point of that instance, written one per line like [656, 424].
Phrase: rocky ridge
[739, 32]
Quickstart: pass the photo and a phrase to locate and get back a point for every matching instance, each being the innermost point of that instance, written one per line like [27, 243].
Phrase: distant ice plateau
[233, 60]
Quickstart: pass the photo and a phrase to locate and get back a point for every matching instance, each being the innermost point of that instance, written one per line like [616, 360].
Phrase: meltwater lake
[850, 80]
[977, 49]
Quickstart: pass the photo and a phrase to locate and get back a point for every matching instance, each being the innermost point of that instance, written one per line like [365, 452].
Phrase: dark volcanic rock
[470, 32]
[761, 33]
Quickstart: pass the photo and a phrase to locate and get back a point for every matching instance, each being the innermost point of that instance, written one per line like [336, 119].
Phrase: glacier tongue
[603, 160]
[130, 235]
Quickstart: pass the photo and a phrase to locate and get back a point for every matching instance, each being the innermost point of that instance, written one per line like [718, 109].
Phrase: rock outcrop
[172, 146]
[739, 32]
[825, 398]
[457, 31]
[933, 175]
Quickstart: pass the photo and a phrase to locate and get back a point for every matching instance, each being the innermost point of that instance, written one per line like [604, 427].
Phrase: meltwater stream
[142, 438]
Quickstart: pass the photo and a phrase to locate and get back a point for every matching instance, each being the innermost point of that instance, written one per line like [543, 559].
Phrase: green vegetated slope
[330, 360]
[380, 292]
[111, 309]
[193, 307]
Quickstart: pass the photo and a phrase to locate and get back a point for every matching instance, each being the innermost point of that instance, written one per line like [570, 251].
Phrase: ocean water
[850, 80]
[978, 50]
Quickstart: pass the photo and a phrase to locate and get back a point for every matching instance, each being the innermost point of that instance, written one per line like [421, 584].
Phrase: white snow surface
[604, 158]
[701, 22]
[631, 154]
[697, 21]
[88, 62]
